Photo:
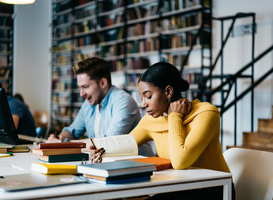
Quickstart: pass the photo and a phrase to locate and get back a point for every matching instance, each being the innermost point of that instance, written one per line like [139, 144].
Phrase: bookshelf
[131, 35]
[6, 47]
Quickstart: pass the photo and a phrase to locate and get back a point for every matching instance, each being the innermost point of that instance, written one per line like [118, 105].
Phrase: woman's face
[153, 99]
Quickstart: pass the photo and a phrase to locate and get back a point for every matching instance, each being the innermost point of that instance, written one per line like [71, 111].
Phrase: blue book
[130, 180]
[64, 158]
[122, 167]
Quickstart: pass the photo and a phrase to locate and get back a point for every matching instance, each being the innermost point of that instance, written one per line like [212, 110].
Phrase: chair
[252, 172]
[41, 121]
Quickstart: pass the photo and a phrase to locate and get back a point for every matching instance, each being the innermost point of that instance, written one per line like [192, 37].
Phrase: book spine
[62, 145]
[65, 158]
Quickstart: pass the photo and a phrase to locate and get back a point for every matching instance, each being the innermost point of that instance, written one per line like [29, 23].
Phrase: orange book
[161, 163]
[60, 151]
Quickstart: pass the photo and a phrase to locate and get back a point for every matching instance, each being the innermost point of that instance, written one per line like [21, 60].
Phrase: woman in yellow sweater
[183, 131]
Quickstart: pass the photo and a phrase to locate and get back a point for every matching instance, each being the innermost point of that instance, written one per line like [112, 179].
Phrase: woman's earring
[169, 100]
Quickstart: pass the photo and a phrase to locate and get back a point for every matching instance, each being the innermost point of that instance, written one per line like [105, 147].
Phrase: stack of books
[4, 150]
[61, 152]
[117, 172]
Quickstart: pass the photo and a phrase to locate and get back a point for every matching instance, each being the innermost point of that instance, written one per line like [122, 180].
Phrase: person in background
[20, 97]
[185, 132]
[22, 117]
[106, 111]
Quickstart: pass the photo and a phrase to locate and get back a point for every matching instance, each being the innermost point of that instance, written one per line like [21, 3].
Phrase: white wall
[32, 42]
[237, 53]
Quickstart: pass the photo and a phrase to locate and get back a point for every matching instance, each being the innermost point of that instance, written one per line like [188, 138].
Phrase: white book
[116, 146]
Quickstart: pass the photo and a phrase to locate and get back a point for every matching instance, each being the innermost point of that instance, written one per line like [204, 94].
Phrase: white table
[161, 182]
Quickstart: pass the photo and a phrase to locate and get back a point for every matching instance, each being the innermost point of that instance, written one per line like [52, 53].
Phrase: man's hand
[182, 106]
[53, 139]
[95, 154]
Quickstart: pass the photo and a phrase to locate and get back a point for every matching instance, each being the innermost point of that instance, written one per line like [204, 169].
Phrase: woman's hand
[95, 154]
[182, 106]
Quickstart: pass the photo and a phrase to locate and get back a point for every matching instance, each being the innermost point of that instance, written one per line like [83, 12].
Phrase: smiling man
[106, 111]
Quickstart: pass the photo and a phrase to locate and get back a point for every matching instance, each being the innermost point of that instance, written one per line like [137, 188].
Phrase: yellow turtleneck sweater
[190, 140]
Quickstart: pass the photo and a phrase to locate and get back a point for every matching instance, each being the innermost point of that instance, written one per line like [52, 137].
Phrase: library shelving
[131, 35]
[6, 47]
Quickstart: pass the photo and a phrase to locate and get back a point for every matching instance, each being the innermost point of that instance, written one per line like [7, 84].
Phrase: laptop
[19, 182]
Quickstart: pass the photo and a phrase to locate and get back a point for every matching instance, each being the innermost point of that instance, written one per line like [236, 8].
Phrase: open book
[119, 147]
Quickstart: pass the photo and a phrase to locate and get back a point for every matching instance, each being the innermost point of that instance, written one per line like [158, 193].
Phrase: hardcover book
[62, 151]
[136, 179]
[62, 145]
[161, 163]
[108, 169]
[120, 177]
[65, 157]
[46, 168]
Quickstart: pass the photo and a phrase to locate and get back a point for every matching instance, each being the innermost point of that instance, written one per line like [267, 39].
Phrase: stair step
[265, 125]
[258, 139]
[250, 147]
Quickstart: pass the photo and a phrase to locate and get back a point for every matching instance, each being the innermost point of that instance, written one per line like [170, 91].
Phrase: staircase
[260, 140]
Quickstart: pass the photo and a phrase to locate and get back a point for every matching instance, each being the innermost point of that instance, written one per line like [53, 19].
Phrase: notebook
[29, 181]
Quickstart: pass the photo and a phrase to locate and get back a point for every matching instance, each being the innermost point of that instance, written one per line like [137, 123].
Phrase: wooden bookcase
[6, 47]
[131, 35]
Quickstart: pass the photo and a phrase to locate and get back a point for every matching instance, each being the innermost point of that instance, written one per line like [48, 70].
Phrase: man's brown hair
[96, 68]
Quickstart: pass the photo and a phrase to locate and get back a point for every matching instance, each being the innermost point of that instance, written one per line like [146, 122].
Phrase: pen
[93, 143]
[15, 167]
[56, 134]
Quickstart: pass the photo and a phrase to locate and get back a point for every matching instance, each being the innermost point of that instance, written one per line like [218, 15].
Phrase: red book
[60, 151]
[161, 163]
[62, 145]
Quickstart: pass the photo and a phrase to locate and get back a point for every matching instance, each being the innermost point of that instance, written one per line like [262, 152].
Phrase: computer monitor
[8, 132]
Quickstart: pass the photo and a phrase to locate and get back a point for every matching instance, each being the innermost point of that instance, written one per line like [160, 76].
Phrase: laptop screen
[8, 132]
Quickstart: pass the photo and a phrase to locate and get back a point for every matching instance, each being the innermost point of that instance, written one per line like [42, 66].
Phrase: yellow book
[46, 168]
[4, 155]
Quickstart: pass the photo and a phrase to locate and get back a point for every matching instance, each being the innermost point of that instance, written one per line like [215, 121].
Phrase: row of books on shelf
[184, 40]
[137, 63]
[85, 26]
[6, 21]
[132, 80]
[5, 72]
[141, 12]
[175, 60]
[150, 44]
[81, 56]
[85, 12]
[192, 78]
[62, 46]
[173, 5]
[3, 48]
[61, 59]
[62, 19]
[177, 22]
[66, 98]
[62, 32]
[140, 29]
[61, 86]
[113, 50]
[61, 71]
[116, 65]
[102, 6]
[4, 34]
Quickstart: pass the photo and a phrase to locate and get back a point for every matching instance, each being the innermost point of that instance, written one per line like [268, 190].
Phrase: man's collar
[106, 98]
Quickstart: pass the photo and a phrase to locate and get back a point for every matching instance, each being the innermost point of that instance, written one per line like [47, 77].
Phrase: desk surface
[161, 181]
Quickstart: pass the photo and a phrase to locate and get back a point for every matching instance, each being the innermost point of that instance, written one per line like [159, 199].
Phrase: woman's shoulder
[198, 106]
[154, 124]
